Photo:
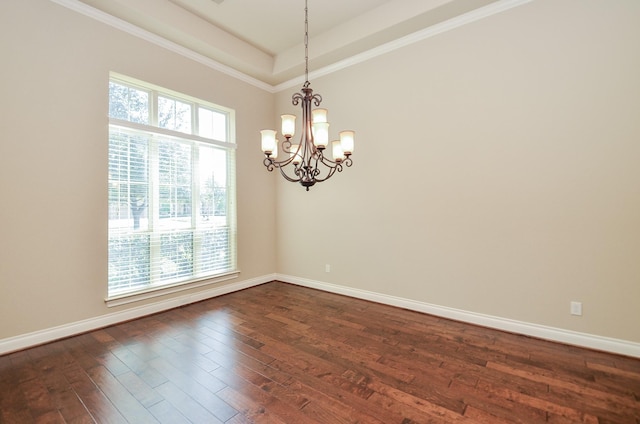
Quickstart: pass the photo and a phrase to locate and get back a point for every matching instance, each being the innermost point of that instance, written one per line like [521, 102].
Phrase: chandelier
[306, 162]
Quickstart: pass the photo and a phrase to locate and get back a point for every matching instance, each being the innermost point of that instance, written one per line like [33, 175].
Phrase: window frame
[153, 130]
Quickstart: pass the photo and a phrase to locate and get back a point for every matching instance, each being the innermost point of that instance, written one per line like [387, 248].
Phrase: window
[171, 188]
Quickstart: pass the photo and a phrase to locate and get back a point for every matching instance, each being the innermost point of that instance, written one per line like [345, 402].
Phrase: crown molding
[448, 25]
[464, 19]
[105, 18]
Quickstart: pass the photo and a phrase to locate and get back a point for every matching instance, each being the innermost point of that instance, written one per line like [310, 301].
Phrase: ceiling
[265, 39]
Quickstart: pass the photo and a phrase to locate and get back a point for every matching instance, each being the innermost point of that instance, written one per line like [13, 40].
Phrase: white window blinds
[171, 189]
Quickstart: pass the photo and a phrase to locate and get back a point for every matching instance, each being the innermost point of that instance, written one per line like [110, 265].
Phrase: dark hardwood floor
[279, 353]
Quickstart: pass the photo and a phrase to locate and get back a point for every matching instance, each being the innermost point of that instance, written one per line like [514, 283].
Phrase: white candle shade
[320, 134]
[268, 140]
[319, 115]
[288, 125]
[338, 154]
[347, 140]
[294, 153]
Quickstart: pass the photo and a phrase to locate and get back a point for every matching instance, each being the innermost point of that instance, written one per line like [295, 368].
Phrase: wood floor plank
[37, 398]
[186, 404]
[199, 386]
[584, 393]
[139, 389]
[13, 404]
[119, 396]
[166, 413]
[65, 399]
[279, 353]
[98, 405]
[255, 399]
[251, 408]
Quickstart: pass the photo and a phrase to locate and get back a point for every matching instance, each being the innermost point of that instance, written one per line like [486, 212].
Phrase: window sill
[150, 293]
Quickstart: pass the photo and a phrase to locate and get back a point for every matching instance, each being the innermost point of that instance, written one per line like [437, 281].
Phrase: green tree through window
[171, 188]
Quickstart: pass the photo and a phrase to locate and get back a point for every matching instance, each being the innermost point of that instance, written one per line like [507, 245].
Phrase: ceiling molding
[448, 25]
[399, 43]
[105, 18]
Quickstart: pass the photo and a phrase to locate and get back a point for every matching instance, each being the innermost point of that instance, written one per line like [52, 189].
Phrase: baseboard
[574, 338]
[591, 341]
[24, 341]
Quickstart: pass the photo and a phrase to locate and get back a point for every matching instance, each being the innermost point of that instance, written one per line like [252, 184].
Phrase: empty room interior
[473, 257]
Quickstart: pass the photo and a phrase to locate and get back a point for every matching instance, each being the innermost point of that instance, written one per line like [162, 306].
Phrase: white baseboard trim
[35, 338]
[591, 341]
[569, 337]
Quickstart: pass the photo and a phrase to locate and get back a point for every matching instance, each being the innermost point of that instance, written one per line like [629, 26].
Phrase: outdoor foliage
[167, 195]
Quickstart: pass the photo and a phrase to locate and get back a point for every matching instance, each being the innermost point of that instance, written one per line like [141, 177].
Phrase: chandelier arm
[271, 165]
[332, 170]
[268, 162]
[334, 167]
[288, 178]
[330, 163]
[276, 164]
[297, 98]
[317, 156]
[286, 145]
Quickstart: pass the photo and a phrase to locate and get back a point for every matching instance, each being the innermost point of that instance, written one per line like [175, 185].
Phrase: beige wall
[53, 159]
[497, 171]
[496, 167]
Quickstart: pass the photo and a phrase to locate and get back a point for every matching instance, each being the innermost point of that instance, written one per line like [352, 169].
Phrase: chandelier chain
[306, 42]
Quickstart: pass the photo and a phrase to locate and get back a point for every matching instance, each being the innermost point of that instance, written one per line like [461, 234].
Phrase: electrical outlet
[327, 268]
[576, 308]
